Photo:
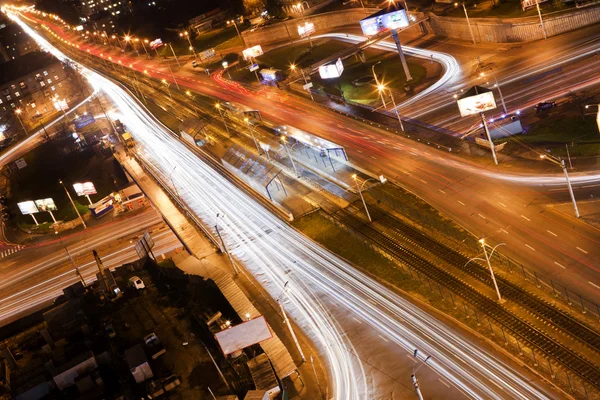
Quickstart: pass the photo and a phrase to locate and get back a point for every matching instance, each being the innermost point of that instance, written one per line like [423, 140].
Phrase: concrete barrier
[492, 30]
[495, 30]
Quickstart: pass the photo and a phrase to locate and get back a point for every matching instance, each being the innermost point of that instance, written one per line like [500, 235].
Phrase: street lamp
[18, 112]
[487, 259]
[381, 89]
[360, 188]
[414, 371]
[561, 163]
[497, 85]
[597, 115]
[284, 141]
[73, 204]
[251, 130]
[377, 83]
[143, 46]
[218, 107]
[300, 6]
[293, 68]
[232, 21]
[71, 258]
[167, 84]
[468, 22]
[537, 5]
[187, 36]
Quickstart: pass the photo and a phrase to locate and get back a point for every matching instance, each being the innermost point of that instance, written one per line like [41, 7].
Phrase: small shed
[138, 363]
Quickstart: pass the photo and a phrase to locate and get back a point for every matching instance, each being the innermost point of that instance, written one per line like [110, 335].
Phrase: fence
[502, 263]
[452, 304]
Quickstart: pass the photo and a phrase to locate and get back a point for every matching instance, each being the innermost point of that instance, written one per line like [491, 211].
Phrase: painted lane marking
[529, 247]
[581, 250]
[460, 202]
[560, 265]
[502, 204]
[552, 233]
[522, 216]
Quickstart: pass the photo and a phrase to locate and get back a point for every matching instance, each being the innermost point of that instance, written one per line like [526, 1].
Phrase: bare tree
[579, 100]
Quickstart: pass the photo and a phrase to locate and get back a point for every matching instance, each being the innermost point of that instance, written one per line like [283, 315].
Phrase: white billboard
[252, 52]
[27, 207]
[476, 104]
[332, 70]
[156, 43]
[243, 335]
[307, 29]
[85, 188]
[46, 205]
[381, 22]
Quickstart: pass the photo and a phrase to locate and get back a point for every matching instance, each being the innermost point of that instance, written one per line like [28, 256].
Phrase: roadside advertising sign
[477, 103]
[206, 54]
[254, 67]
[329, 71]
[27, 207]
[85, 188]
[380, 22]
[156, 43]
[46, 205]
[83, 120]
[307, 86]
[307, 29]
[20, 163]
[252, 52]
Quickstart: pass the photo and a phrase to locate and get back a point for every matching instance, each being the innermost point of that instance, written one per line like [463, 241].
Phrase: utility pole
[401, 54]
[537, 5]
[564, 167]
[377, 83]
[73, 204]
[224, 248]
[72, 261]
[359, 188]
[414, 371]
[487, 259]
[284, 140]
[489, 137]
[287, 322]
[174, 55]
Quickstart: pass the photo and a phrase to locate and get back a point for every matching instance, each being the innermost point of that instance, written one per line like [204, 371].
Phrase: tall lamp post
[218, 107]
[73, 204]
[414, 371]
[293, 68]
[381, 88]
[487, 259]
[497, 85]
[597, 116]
[232, 21]
[284, 141]
[561, 163]
[537, 5]
[187, 36]
[18, 112]
[360, 187]
[143, 46]
[300, 6]
[71, 258]
[468, 22]
[251, 130]
[377, 83]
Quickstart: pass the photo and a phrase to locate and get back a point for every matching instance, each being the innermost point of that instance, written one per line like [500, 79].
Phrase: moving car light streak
[277, 255]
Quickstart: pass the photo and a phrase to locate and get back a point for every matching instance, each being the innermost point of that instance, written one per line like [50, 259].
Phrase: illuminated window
[42, 83]
[1, 101]
[45, 73]
[17, 94]
[13, 105]
[22, 84]
[55, 77]
[33, 105]
[8, 97]
[53, 88]
[60, 84]
[49, 80]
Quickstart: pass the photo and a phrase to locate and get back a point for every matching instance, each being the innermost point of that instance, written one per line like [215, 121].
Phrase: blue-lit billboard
[383, 21]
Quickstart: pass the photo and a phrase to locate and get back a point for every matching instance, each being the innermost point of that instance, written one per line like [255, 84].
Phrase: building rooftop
[135, 356]
[30, 62]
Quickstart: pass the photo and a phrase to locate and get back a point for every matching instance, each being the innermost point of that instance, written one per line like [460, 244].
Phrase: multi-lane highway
[36, 275]
[334, 304]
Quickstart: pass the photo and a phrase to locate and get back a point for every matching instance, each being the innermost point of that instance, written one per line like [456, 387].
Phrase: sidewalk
[243, 294]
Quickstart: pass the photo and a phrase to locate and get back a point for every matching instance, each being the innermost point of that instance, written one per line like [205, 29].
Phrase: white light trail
[277, 254]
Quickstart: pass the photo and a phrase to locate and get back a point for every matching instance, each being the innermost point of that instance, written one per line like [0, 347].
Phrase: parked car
[195, 64]
[136, 283]
[545, 105]
[154, 346]
[110, 330]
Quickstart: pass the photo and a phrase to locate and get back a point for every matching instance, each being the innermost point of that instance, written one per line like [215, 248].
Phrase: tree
[252, 7]
[579, 100]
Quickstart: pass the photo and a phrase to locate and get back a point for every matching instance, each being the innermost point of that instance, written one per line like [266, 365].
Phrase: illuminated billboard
[84, 189]
[27, 207]
[252, 52]
[384, 20]
[46, 205]
[307, 29]
[329, 71]
[476, 103]
[155, 44]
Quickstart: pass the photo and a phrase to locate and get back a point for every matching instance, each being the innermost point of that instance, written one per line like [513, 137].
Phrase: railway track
[541, 308]
[527, 332]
